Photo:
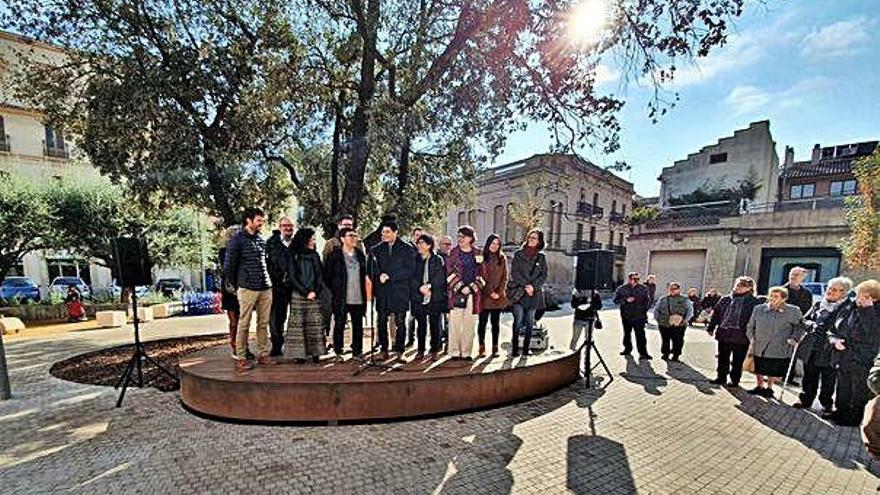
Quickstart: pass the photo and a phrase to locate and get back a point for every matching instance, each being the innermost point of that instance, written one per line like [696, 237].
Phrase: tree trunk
[218, 191]
[353, 194]
[5, 389]
[403, 171]
[337, 151]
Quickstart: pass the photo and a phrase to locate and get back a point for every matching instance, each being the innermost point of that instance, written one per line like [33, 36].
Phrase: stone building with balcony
[580, 206]
[707, 245]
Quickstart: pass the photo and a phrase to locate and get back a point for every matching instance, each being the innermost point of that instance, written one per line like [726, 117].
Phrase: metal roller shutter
[685, 267]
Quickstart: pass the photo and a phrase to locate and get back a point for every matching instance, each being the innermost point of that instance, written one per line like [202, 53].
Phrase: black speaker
[133, 264]
[594, 270]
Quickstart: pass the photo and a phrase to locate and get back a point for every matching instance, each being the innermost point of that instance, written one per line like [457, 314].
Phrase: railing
[616, 217]
[56, 151]
[798, 204]
[4, 143]
[618, 250]
[585, 245]
[588, 209]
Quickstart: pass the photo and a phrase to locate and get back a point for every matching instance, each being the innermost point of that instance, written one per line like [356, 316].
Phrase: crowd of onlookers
[836, 338]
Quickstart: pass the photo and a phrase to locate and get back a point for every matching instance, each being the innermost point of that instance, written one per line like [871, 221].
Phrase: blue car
[21, 288]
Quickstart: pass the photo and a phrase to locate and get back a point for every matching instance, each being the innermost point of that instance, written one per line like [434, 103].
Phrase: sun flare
[587, 20]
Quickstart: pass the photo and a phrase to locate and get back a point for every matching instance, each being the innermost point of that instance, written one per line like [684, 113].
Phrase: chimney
[817, 154]
[789, 156]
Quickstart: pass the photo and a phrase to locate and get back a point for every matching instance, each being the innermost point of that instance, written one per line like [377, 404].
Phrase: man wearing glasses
[278, 248]
[345, 276]
[634, 299]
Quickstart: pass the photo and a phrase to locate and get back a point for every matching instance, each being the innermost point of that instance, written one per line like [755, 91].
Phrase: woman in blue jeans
[528, 272]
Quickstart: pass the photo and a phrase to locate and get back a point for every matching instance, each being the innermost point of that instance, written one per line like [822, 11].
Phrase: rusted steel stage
[336, 392]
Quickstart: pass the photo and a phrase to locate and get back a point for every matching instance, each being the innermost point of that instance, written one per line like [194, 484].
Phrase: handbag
[749, 362]
[673, 320]
[459, 301]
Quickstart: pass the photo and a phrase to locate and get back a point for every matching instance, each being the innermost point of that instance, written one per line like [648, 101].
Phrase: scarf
[530, 252]
[826, 306]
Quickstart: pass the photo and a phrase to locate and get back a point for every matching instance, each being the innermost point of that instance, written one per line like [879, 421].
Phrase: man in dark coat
[278, 247]
[634, 300]
[728, 324]
[815, 349]
[345, 275]
[393, 267]
[798, 295]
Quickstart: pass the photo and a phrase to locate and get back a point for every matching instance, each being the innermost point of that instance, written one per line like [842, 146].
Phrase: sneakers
[674, 359]
[242, 365]
[266, 361]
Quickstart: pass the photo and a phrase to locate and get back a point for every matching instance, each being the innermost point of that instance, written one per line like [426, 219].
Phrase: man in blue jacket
[246, 269]
[393, 267]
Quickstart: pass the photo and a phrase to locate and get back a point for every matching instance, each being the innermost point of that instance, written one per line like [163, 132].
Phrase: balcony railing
[56, 151]
[588, 209]
[4, 142]
[616, 217]
[618, 250]
[585, 245]
[798, 204]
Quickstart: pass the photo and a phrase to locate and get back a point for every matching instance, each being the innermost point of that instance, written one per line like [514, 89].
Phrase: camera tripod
[139, 355]
[589, 346]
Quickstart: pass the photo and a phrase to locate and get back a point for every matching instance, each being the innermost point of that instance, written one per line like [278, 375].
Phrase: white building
[750, 154]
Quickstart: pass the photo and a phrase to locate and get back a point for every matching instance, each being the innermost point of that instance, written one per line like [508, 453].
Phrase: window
[4, 139]
[803, 191]
[828, 152]
[595, 199]
[54, 143]
[592, 234]
[510, 226]
[579, 235]
[610, 239]
[843, 187]
[551, 223]
[717, 158]
[614, 206]
[623, 209]
[462, 219]
[620, 239]
[559, 224]
[583, 195]
[472, 218]
[498, 219]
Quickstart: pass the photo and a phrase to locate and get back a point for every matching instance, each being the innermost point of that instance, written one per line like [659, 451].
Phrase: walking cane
[790, 368]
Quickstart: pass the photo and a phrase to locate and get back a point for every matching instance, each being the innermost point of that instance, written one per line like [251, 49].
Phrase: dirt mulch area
[104, 367]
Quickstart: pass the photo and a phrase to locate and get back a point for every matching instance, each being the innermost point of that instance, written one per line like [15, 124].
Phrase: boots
[482, 350]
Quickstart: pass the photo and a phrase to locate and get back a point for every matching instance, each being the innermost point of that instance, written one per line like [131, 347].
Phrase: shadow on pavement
[840, 445]
[642, 373]
[596, 464]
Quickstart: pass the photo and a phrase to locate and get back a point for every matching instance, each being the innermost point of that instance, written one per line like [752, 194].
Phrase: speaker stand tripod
[139, 355]
[589, 347]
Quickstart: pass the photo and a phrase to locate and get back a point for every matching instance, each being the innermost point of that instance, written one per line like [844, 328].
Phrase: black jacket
[814, 347]
[305, 274]
[860, 330]
[800, 297]
[246, 264]
[279, 260]
[437, 279]
[527, 271]
[399, 262]
[591, 311]
[733, 335]
[228, 299]
[336, 276]
[638, 309]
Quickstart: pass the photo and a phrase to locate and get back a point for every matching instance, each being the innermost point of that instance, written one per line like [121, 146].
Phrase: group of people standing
[836, 338]
[448, 293]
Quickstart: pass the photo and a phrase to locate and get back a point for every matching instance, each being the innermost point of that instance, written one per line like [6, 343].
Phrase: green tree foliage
[25, 220]
[193, 98]
[861, 250]
[189, 98]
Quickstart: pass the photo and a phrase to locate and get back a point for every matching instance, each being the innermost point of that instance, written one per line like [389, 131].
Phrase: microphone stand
[370, 362]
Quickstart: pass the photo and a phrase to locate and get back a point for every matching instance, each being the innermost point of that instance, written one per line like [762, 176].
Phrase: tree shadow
[840, 445]
[642, 373]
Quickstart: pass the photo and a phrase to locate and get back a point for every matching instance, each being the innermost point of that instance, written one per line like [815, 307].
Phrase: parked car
[115, 291]
[168, 286]
[60, 284]
[21, 288]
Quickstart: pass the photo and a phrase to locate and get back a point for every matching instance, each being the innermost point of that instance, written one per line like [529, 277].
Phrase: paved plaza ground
[657, 428]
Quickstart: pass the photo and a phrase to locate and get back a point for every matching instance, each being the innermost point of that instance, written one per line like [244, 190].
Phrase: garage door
[685, 267]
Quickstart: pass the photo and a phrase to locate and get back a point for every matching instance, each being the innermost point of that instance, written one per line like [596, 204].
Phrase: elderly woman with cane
[774, 330]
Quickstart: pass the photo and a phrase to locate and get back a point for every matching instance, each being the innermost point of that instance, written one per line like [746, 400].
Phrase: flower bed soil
[104, 367]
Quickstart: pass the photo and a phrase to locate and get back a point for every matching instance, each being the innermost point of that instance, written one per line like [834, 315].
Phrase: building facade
[708, 245]
[578, 205]
[747, 156]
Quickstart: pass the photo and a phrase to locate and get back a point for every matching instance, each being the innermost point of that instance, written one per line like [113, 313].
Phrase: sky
[809, 66]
